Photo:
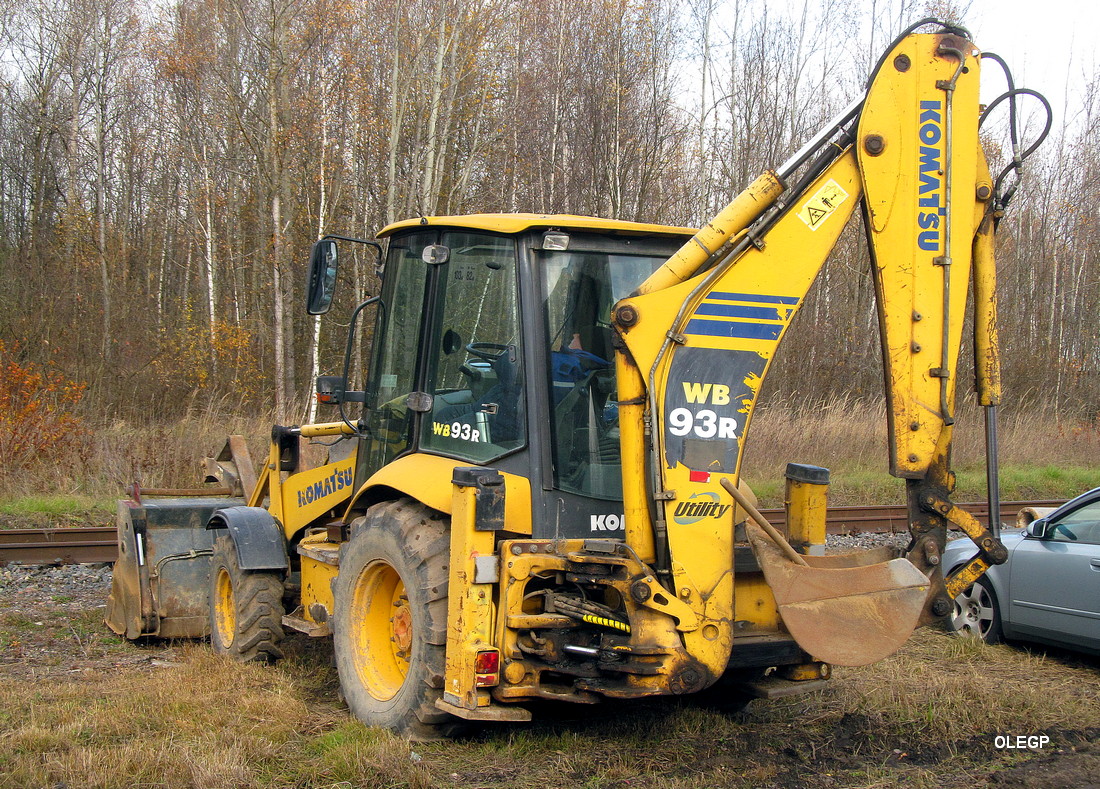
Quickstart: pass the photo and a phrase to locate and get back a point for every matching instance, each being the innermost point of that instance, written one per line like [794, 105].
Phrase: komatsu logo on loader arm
[336, 481]
[931, 176]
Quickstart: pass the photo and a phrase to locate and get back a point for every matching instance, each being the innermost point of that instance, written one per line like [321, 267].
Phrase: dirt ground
[51, 633]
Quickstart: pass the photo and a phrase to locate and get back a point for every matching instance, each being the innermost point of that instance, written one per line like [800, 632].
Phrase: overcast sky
[1051, 45]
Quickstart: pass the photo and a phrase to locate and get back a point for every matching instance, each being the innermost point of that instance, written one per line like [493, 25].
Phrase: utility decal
[931, 176]
[460, 431]
[334, 482]
[824, 202]
[607, 522]
[744, 315]
[699, 506]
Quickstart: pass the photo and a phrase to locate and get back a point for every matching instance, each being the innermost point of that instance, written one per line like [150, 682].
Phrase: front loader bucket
[847, 610]
[160, 583]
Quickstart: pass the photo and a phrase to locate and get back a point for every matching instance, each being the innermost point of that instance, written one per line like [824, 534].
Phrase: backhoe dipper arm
[698, 337]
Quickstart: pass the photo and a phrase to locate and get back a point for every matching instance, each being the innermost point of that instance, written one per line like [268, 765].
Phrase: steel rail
[94, 544]
[81, 545]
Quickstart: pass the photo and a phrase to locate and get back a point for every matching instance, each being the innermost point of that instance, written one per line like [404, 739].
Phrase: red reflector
[487, 662]
[699, 476]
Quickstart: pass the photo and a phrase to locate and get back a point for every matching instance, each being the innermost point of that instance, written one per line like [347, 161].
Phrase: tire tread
[406, 532]
[259, 601]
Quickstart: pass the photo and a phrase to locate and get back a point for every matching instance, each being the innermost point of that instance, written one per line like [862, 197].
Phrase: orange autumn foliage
[36, 408]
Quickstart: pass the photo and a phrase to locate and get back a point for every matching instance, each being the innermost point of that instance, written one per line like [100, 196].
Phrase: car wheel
[977, 613]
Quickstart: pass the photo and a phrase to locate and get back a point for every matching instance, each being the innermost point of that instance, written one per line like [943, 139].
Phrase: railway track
[84, 545]
[93, 544]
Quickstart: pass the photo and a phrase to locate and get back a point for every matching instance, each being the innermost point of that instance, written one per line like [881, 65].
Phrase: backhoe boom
[700, 334]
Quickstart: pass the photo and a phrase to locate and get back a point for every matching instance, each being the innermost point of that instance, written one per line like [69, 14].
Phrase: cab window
[581, 288]
[389, 419]
[475, 371]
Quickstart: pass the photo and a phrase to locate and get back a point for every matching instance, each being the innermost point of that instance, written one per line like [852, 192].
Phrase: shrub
[36, 406]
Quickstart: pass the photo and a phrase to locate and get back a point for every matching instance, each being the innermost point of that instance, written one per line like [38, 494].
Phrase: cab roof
[517, 223]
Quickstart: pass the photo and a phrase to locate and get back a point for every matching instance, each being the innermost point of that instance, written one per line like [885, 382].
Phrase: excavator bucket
[160, 584]
[848, 610]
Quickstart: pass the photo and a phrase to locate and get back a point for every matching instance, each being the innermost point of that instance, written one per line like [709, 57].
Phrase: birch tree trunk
[322, 213]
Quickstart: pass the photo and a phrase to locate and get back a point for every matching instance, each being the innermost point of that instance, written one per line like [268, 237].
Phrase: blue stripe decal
[748, 331]
[754, 297]
[740, 311]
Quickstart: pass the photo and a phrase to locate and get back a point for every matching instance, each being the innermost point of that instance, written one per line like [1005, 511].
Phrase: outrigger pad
[160, 582]
[848, 610]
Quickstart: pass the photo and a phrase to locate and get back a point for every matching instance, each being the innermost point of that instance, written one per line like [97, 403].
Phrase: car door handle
[1095, 563]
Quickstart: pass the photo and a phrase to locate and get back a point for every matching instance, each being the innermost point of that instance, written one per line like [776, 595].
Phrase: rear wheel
[246, 607]
[390, 622]
[977, 613]
[729, 695]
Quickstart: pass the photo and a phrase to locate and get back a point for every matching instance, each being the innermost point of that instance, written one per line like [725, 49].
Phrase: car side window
[1080, 526]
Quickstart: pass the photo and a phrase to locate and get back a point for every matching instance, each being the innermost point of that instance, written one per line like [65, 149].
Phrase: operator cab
[493, 328]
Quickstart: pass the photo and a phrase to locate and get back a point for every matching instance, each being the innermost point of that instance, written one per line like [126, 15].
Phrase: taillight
[487, 668]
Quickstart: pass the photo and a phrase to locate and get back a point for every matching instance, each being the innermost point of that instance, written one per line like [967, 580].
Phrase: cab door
[447, 376]
[473, 370]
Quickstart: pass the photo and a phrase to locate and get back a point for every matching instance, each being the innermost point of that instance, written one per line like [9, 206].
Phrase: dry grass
[925, 718]
[1042, 454]
[206, 722]
[95, 467]
[972, 688]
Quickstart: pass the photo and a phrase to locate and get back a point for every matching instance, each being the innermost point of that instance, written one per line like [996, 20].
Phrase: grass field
[81, 708]
[927, 717]
[1043, 456]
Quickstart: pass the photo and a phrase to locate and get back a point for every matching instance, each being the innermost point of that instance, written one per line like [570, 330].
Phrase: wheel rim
[383, 631]
[974, 612]
[225, 608]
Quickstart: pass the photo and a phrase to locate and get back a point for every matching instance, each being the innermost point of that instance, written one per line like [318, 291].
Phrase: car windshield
[581, 289]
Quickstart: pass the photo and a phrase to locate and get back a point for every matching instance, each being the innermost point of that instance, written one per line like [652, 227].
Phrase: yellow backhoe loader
[537, 496]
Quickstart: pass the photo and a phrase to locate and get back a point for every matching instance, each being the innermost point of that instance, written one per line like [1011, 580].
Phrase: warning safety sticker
[825, 201]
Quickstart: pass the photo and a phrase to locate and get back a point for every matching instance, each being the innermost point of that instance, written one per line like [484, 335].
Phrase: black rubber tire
[390, 619]
[728, 695]
[978, 613]
[246, 607]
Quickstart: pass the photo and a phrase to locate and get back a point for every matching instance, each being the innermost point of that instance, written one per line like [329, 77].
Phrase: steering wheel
[489, 351]
[1066, 531]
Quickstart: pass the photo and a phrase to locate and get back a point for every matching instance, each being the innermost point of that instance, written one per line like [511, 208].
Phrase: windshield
[581, 289]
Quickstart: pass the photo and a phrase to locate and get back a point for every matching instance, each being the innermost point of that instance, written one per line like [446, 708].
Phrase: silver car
[1049, 589]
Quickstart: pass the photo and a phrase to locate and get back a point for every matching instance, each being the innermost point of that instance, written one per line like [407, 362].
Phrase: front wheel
[977, 612]
[246, 607]
[390, 619]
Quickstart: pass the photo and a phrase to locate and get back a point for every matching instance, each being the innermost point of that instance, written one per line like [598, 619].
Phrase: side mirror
[1038, 528]
[323, 262]
[332, 390]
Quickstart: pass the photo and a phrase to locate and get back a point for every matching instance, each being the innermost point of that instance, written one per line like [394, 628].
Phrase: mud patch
[1077, 768]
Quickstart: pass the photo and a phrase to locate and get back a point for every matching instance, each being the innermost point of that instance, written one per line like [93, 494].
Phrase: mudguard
[256, 534]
